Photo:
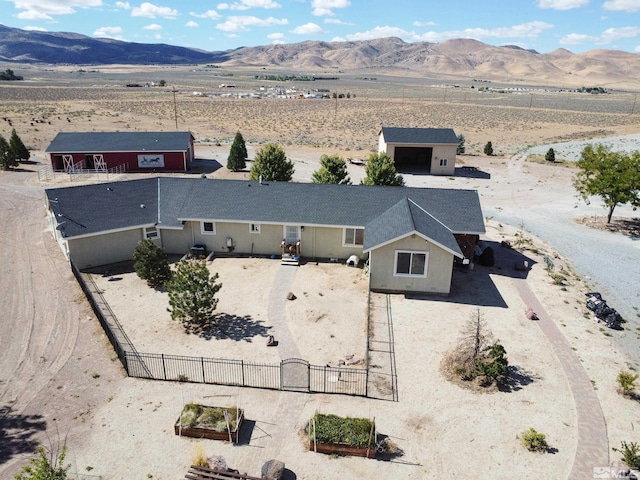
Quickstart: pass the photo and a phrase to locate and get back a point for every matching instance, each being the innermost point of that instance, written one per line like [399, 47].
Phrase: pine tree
[20, 152]
[550, 156]
[333, 169]
[271, 164]
[150, 263]
[192, 293]
[488, 149]
[381, 170]
[460, 149]
[7, 157]
[237, 154]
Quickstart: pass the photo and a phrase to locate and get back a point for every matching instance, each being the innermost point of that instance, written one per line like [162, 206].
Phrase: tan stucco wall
[176, 241]
[104, 249]
[439, 268]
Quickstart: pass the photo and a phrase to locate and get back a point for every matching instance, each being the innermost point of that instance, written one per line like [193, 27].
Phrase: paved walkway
[593, 444]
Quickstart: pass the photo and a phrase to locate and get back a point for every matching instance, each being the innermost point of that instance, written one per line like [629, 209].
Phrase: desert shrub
[199, 458]
[534, 441]
[630, 454]
[496, 365]
[550, 156]
[46, 466]
[344, 430]
[626, 382]
[488, 149]
[209, 417]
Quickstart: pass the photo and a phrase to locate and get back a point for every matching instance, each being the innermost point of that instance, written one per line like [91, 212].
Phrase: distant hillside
[460, 58]
[23, 46]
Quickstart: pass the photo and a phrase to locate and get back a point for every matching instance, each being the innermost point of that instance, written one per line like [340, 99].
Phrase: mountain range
[458, 58]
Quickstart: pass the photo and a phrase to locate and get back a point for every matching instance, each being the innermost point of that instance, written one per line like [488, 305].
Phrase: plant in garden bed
[212, 418]
[336, 435]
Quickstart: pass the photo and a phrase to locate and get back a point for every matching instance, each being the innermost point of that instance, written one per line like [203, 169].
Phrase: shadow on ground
[517, 379]
[204, 165]
[18, 432]
[472, 172]
[235, 327]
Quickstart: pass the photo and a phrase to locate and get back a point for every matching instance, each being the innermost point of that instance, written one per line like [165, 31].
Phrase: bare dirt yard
[61, 381]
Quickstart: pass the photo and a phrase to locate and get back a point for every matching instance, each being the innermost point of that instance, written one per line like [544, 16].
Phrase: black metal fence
[290, 374]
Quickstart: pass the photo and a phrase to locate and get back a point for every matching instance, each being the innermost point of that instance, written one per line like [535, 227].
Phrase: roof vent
[142, 205]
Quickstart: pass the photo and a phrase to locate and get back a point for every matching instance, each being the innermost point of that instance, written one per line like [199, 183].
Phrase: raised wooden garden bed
[342, 436]
[216, 423]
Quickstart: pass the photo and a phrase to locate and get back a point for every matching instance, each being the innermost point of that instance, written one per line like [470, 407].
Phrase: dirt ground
[60, 380]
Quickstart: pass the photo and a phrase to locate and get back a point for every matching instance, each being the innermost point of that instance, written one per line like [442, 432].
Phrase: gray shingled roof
[101, 142]
[310, 204]
[405, 218]
[419, 135]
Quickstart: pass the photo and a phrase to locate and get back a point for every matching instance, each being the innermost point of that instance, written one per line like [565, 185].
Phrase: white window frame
[254, 228]
[443, 162]
[346, 242]
[151, 233]
[208, 232]
[412, 253]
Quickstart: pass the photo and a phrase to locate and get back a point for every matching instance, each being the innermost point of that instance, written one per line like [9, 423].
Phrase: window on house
[443, 162]
[150, 233]
[208, 228]
[411, 264]
[354, 236]
[254, 228]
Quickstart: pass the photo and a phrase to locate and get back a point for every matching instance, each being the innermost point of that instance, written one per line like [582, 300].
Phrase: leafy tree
[20, 152]
[333, 169]
[9, 75]
[488, 148]
[271, 163]
[550, 155]
[46, 466]
[7, 157]
[237, 154]
[460, 148]
[162, 83]
[150, 263]
[612, 176]
[381, 170]
[192, 293]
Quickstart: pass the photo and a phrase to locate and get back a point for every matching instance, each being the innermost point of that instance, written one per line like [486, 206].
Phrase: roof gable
[405, 218]
[419, 135]
[101, 142]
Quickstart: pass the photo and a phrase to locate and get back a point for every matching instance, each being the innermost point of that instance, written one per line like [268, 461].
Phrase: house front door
[291, 234]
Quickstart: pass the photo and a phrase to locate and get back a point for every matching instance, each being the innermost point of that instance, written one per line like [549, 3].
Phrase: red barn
[131, 151]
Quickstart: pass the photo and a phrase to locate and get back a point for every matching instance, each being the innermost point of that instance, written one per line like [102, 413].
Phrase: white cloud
[338, 39]
[275, 36]
[278, 42]
[242, 23]
[210, 14]
[153, 26]
[323, 8]
[307, 29]
[35, 29]
[524, 30]
[562, 4]
[630, 6]
[423, 24]
[149, 10]
[379, 32]
[637, 49]
[335, 21]
[610, 35]
[123, 5]
[108, 32]
[247, 4]
[44, 9]
[191, 24]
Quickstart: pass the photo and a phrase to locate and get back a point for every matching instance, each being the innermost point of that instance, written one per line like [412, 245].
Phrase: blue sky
[544, 25]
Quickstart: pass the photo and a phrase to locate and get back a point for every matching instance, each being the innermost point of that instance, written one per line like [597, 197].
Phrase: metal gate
[294, 375]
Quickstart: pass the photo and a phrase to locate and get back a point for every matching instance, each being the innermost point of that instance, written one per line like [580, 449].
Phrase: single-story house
[130, 151]
[410, 237]
[432, 150]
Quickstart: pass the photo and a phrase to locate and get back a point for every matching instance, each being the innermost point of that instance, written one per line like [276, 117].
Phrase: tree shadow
[17, 433]
[235, 327]
[517, 378]
[386, 449]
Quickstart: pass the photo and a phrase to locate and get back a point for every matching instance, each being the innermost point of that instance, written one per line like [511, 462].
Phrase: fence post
[325, 380]
[164, 368]
[203, 377]
[242, 365]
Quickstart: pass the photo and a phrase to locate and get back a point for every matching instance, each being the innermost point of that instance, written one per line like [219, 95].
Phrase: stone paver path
[593, 445]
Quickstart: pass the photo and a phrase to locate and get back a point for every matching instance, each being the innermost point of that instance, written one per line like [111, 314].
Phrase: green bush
[630, 454]
[344, 430]
[534, 441]
[488, 149]
[626, 382]
[550, 156]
